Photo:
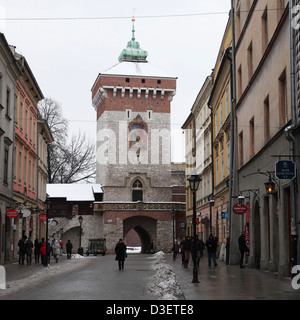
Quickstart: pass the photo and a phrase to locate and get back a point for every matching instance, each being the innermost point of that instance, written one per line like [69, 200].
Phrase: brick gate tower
[132, 100]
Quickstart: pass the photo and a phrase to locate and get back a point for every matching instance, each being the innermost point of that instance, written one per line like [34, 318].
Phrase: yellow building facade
[219, 103]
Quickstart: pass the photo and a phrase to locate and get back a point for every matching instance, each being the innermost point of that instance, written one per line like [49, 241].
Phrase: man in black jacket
[243, 248]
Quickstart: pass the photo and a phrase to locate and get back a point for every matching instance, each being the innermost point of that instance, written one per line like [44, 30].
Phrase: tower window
[127, 80]
[137, 191]
[143, 80]
[158, 81]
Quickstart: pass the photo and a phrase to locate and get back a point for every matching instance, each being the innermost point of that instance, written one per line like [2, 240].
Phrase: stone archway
[145, 227]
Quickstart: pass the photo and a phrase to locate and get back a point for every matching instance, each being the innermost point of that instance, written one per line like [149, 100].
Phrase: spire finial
[133, 19]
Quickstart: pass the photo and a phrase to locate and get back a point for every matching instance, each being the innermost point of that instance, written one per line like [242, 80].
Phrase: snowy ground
[164, 283]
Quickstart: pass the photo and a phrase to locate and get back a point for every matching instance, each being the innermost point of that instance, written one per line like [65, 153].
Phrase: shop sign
[237, 209]
[43, 217]
[12, 213]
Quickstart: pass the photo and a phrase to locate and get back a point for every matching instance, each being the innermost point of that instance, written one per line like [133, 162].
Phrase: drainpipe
[290, 138]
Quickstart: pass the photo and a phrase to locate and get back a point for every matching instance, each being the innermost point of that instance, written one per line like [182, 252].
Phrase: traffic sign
[239, 209]
[285, 169]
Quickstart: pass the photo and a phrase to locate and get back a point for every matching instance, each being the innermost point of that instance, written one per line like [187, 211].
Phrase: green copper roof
[133, 52]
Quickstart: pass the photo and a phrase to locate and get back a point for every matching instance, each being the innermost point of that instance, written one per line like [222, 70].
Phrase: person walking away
[175, 249]
[37, 252]
[211, 246]
[69, 248]
[120, 251]
[243, 248]
[29, 247]
[56, 250]
[40, 247]
[22, 250]
[61, 247]
[43, 254]
[187, 251]
[182, 250]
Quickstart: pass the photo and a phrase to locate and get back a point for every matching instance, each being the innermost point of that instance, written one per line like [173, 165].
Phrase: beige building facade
[263, 113]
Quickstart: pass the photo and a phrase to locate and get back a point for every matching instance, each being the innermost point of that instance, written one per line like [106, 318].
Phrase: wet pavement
[98, 278]
[225, 282]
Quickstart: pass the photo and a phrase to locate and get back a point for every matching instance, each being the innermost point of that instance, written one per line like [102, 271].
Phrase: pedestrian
[61, 247]
[52, 246]
[199, 250]
[56, 250]
[37, 252]
[29, 247]
[121, 254]
[22, 249]
[182, 250]
[40, 247]
[211, 245]
[243, 248]
[43, 254]
[151, 247]
[187, 251]
[69, 248]
[175, 249]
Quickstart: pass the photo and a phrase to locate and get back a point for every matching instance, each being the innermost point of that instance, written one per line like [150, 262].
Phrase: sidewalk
[20, 276]
[225, 282]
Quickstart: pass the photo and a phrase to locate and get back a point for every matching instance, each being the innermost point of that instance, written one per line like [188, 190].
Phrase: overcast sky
[182, 38]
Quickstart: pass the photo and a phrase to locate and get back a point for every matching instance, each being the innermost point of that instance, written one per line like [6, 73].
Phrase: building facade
[9, 73]
[220, 104]
[263, 115]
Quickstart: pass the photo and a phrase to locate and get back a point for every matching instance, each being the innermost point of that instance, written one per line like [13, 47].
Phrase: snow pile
[77, 256]
[164, 283]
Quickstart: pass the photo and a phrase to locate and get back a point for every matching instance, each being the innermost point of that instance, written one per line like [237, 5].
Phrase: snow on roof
[140, 69]
[74, 192]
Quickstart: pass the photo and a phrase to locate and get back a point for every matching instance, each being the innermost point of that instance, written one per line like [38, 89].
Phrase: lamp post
[211, 204]
[47, 205]
[173, 216]
[80, 249]
[194, 182]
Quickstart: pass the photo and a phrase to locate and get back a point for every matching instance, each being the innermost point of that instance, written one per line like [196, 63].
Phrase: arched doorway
[145, 227]
[256, 235]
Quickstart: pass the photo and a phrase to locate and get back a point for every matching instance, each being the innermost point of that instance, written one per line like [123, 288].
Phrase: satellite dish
[25, 213]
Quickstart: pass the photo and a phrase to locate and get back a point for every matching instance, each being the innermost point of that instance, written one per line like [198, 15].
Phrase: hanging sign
[12, 213]
[25, 213]
[239, 209]
[43, 217]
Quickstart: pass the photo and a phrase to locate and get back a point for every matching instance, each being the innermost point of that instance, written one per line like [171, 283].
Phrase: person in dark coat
[182, 250]
[187, 250]
[29, 247]
[211, 245]
[37, 248]
[22, 249]
[69, 248]
[243, 248]
[121, 254]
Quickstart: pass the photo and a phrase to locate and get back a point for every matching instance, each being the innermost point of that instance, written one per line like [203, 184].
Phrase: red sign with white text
[239, 209]
[12, 213]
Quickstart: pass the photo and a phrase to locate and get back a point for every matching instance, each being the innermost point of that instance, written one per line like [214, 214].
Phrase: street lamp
[211, 204]
[173, 212]
[80, 249]
[194, 182]
[270, 186]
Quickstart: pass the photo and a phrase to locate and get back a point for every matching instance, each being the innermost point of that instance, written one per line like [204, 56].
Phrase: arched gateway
[133, 104]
